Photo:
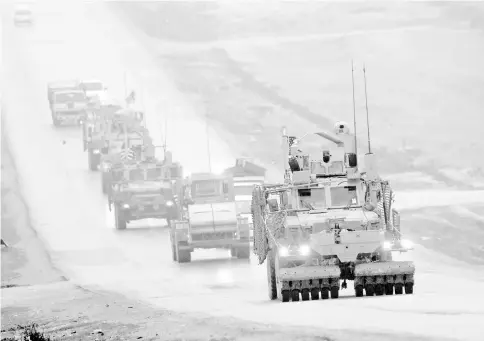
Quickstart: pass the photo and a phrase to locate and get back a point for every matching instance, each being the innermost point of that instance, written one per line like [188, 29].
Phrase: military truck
[209, 218]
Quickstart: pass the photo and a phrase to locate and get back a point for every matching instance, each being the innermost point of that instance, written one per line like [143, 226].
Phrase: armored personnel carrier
[329, 223]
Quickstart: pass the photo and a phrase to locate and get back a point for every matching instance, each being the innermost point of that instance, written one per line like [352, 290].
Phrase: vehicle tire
[398, 288]
[271, 276]
[359, 291]
[173, 252]
[120, 221]
[379, 289]
[55, 121]
[104, 183]
[93, 160]
[233, 252]
[305, 294]
[334, 292]
[243, 252]
[314, 294]
[324, 293]
[183, 256]
[408, 288]
[370, 290]
[295, 295]
[389, 289]
[285, 295]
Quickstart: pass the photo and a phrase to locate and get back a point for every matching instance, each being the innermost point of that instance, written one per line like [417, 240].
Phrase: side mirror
[352, 160]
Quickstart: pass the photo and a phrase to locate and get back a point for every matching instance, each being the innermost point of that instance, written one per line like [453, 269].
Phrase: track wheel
[334, 292]
[243, 252]
[314, 294]
[370, 290]
[324, 293]
[359, 291]
[184, 256]
[305, 294]
[379, 289]
[389, 289]
[398, 288]
[409, 288]
[271, 276]
[295, 295]
[286, 295]
[119, 220]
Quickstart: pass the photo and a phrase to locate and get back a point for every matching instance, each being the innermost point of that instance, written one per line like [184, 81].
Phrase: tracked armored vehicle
[329, 223]
[209, 219]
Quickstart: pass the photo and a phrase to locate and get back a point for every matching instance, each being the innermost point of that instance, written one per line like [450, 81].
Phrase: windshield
[118, 175]
[243, 190]
[136, 174]
[153, 174]
[206, 188]
[92, 86]
[70, 97]
[343, 196]
[312, 198]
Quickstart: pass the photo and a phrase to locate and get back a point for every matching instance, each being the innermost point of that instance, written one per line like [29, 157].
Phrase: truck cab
[68, 106]
[209, 219]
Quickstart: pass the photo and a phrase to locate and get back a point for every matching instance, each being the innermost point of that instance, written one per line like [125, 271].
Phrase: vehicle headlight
[96, 151]
[169, 203]
[126, 206]
[387, 245]
[105, 166]
[406, 244]
[304, 250]
[283, 251]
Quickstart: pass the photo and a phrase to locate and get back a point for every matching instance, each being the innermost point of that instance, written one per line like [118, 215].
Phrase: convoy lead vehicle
[209, 219]
[329, 223]
[68, 106]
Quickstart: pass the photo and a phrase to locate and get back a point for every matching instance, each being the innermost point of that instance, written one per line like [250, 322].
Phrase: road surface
[71, 215]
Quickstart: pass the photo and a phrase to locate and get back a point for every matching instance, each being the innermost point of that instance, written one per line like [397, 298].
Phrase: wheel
[233, 252]
[55, 121]
[93, 160]
[324, 293]
[370, 290]
[359, 291]
[379, 289]
[334, 292]
[271, 276]
[285, 295]
[243, 252]
[183, 256]
[398, 288]
[389, 289]
[295, 295]
[120, 221]
[314, 294]
[305, 294]
[105, 184]
[173, 252]
[409, 288]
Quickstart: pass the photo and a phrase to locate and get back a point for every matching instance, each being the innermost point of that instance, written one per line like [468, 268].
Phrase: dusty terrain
[265, 66]
[235, 82]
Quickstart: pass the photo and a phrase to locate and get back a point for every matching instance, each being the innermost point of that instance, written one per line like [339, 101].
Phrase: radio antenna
[354, 105]
[165, 134]
[367, 116]
[208, 148]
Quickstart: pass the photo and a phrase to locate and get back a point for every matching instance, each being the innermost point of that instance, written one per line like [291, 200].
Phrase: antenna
[164, 135]
[208, 148]
[354, 105]
[367, 116]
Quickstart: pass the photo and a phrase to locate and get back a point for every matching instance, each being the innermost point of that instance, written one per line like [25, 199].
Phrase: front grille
[213, 236]
[70, 105]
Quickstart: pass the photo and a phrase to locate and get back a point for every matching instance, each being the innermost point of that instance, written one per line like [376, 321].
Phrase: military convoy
[327, 222]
